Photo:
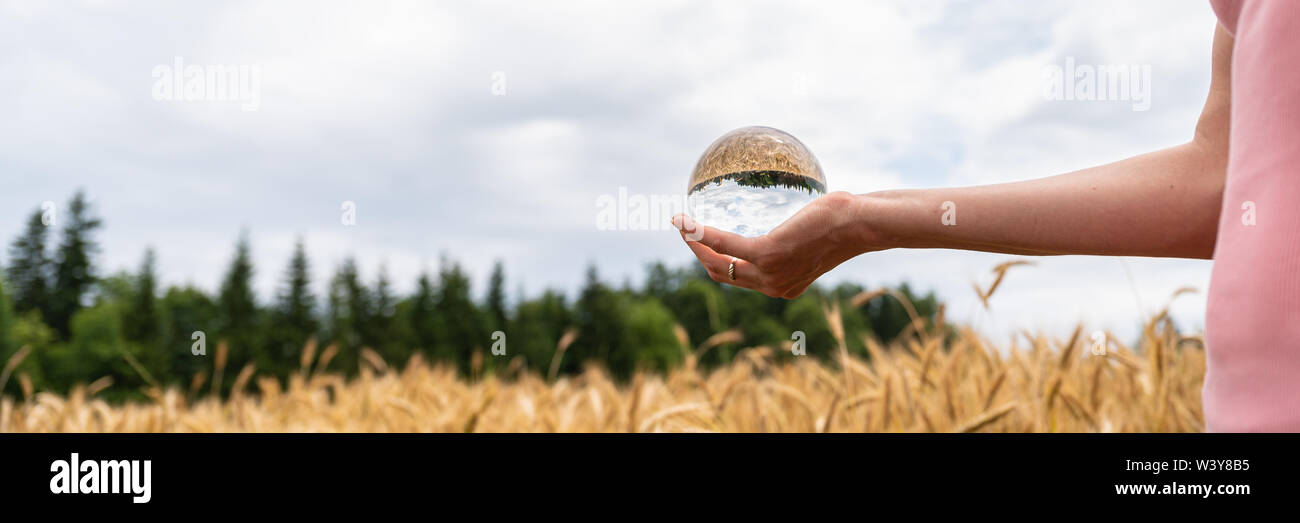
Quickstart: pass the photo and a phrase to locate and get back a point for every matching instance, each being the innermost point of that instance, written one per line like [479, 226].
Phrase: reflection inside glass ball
[753, 179]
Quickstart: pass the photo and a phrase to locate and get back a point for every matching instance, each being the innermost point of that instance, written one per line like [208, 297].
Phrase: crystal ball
[752, 179]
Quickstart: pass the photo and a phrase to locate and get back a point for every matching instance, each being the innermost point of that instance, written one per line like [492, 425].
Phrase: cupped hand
[784, 262]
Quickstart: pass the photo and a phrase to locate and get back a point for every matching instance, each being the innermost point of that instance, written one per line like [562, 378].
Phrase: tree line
[77, 325]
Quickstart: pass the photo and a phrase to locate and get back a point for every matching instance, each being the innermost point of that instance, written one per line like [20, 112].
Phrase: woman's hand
[784, 262]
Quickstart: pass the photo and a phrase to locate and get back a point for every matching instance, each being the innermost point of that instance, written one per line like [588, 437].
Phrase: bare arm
[1164, 203]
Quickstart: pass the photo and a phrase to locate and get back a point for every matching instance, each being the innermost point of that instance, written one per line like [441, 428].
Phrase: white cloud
[389, 104]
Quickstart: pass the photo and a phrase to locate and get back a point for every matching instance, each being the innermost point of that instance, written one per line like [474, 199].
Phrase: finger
[687, 227]
[747, 275]
[720, 267]
[714, 262]
[721, 242]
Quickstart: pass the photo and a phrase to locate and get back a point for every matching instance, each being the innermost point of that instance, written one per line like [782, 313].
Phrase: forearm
[1164, 203]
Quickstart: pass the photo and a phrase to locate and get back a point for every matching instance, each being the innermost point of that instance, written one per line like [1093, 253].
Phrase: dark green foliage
[386, 334]
[73, 272]
[293, 318]
[600, 316]
[461, 327]
[495, 303]
[539, 323]
[702, 309]
[765, 179]
[30, 267]
[758, 316]
[143, 320]
[95, 350]
[188, 310]
[887, 316]
[805, 314]
[350, 310]
[647, 342]
[129, 328]
[239, 318]
[418, 316]
[8, 343]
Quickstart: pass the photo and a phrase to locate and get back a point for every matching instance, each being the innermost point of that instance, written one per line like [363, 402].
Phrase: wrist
[882, 220]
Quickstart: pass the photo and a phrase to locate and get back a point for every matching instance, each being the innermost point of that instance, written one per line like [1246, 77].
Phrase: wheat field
[929, 383]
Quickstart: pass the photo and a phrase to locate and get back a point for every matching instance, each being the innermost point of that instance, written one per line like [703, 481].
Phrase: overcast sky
[489, 130]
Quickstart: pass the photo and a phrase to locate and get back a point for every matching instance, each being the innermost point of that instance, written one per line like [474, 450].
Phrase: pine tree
[538, 325]
[294, 313]
[298, 302]
[421, 319]
[238, 307]
[30, 268]
[659, 281]
[462, 329]
[74, 273]
[142, 322]
[381, 329]
[350, 314]
[7, 344]
[496, 298]
[600, 316]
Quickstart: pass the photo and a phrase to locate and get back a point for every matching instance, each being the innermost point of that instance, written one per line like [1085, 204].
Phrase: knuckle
[773, 255]
[838, 197]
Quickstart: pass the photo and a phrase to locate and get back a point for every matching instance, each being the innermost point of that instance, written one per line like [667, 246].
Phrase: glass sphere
[752, 179]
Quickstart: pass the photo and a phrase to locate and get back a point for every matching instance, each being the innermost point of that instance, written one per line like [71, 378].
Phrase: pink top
[1252, 380]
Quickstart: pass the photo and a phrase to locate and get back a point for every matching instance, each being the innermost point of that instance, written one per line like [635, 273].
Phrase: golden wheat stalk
[924, 382]
[1000, 272]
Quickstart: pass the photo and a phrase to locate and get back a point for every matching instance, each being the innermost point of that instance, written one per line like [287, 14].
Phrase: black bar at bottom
[237, 472]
